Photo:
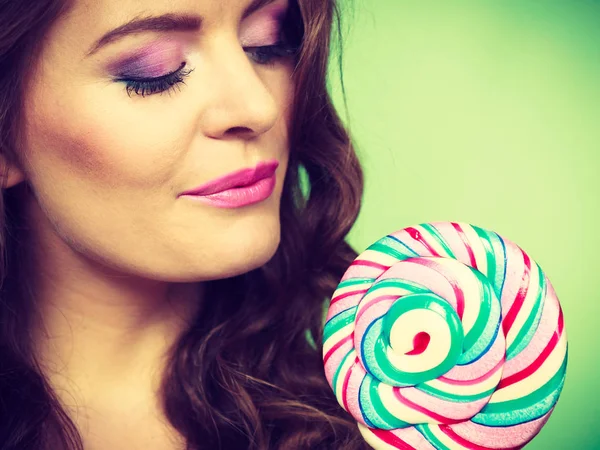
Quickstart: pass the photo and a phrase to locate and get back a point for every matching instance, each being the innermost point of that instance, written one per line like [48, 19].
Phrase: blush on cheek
[56, 144]
[84, 155]
[118, 151]
[60, 137]
[81, 143]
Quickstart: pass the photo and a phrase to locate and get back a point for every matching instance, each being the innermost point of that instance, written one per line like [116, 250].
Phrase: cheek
[286, 95]
[281, 86]
[90, 137]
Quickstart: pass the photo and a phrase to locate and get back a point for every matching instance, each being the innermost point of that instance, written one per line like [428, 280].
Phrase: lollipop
[445, 336]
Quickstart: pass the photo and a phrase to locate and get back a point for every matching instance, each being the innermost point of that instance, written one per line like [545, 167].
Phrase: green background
[488, 112]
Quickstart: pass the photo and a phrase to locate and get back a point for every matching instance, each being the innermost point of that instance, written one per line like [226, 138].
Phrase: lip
[238, 179]
[239, 196]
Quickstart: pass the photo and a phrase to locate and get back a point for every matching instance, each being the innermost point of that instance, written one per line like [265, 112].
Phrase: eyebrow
[163, 23]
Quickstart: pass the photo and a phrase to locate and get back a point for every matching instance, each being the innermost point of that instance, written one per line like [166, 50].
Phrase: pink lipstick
[237, 189]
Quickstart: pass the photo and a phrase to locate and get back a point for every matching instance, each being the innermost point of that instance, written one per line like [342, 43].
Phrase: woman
[134, 315]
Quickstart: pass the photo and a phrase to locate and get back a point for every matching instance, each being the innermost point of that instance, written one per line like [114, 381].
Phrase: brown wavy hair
[249, 373]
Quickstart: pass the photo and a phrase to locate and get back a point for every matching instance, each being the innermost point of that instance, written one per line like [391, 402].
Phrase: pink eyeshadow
[166, 55]
[263, 29]
[151, 61]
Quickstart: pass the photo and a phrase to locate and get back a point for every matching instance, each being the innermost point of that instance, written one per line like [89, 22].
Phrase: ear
[13, 174]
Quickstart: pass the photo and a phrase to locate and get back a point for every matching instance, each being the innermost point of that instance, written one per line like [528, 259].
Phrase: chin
[237, 257]
[253, 255]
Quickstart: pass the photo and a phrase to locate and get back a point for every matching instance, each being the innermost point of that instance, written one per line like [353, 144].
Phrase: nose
[241, 103]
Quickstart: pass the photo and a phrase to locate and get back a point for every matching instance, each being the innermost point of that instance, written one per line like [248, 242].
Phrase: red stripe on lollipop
[391, 439]
[345, 387]
[468, 444]
[535, 365]
[373, 264]
[414, 233]
[508, 321]
[477, 380]
[334, 347]
[372, 303]
[347, 294]
[465, 240]
[427, 412]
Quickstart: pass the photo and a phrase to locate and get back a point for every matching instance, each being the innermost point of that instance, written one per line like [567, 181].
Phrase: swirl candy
[445, 336]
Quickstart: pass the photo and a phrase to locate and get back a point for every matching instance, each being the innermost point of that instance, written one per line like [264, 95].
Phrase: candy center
[419, 339]
[420, 343]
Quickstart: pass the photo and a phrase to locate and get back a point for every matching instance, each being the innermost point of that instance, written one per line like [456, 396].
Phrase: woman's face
[107, 164]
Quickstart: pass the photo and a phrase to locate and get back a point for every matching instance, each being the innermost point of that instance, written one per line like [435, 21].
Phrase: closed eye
[267, 55]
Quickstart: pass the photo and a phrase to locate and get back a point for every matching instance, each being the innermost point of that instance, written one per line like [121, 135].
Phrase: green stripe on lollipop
[496, 258]
[425, 430]
[489, 250]
[339, 321]
[373, 409]
[408, 287]
[393, 247]
[433, 231]
[524, 409]
[339, 368]
[530, 326]
[483, 331]
[354, 282]
[425, 387]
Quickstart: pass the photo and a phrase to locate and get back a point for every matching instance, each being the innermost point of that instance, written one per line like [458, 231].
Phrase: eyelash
[267, 55]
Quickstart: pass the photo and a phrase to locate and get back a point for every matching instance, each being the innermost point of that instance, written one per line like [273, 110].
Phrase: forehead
[114, 12]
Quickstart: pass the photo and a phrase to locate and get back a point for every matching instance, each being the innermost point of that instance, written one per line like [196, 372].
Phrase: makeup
[151, 61]
[237, 189]
[264, 28]
[238, 197]
[164, 55]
